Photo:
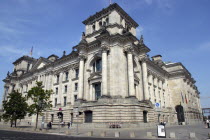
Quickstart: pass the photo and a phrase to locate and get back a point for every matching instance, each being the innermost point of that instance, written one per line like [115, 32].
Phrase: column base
[80, 100]
[131, 97]
[105, 96]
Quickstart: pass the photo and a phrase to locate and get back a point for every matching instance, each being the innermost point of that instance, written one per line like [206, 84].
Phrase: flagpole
[31, 51]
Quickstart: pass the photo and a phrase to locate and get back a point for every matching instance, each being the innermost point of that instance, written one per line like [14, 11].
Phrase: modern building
[109, 77]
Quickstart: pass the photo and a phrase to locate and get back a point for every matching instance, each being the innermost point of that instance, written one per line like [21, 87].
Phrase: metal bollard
[117, 134]
[67, 132]
[149, 134]
[172, 135]
[44, 130]
[103, 134]
[132, 135]
[90, 134]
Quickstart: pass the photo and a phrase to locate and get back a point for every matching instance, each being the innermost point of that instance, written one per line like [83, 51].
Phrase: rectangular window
[154, 92]
[149, 91]
[76, 86]
[65, 89]
[64, 101]
[26, 88]
[55, 102]
[28, 66]
[77, 73]
[58, 78]
[75, 97]
[13, 88]
[97, 90]
[56, 91]
[97, 65]
[52, 117]
[67, 76]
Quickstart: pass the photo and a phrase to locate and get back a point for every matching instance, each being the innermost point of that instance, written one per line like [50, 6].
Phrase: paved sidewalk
[181, 132]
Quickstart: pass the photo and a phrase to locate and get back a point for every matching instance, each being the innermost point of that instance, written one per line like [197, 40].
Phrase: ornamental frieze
[64, 69]
[149, 72]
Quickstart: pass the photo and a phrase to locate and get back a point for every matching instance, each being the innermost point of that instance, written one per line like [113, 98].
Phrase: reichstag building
[109, 77]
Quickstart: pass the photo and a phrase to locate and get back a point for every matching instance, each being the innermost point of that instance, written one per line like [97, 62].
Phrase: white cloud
[10, 50]
[6, 29]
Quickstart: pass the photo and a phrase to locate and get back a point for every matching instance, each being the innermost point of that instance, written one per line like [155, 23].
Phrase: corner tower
[113, 18]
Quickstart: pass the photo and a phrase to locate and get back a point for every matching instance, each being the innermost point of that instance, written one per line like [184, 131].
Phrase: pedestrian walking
[207, 122]
[68, 125]
[71, 123]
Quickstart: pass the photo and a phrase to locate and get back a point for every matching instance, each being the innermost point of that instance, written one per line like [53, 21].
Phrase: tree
[41, 100]
[15, 107]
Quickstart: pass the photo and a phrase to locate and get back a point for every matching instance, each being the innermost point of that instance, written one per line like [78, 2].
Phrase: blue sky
[176, 29]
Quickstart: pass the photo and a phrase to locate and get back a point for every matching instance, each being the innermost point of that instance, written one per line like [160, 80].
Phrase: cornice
[154, 74]
[30, 59]
[63, 69]
[157, 67]
[106, 11]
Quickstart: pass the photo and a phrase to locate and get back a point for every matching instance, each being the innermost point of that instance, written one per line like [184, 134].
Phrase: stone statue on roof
[141, 41]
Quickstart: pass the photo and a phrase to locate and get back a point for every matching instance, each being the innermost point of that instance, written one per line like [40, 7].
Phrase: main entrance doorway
[180, 113]
[145, 116]
[88, 116]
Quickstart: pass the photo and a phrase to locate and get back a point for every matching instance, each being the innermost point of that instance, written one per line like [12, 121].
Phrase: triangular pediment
[40, 63]
[95, 75]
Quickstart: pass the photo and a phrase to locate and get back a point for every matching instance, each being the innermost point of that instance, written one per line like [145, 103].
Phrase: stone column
[104, 72]
[161, 93]
[145, 82]
[130, 74]
[152, 88]
[81, 77]
[91, 92]
[60, 89]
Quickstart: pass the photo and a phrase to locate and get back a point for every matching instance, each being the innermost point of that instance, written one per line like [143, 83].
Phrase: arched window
[97, 65]
[88, 116]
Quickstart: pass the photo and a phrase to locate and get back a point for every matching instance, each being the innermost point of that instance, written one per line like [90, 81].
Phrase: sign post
[60, 114]
[161, 131]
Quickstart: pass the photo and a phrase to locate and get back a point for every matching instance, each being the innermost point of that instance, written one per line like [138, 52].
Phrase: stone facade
[108, 77]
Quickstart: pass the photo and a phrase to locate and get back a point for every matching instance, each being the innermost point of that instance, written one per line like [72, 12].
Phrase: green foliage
[41, 100]
[15, 107]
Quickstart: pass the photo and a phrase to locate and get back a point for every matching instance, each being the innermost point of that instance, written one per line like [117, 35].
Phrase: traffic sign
[157, 105]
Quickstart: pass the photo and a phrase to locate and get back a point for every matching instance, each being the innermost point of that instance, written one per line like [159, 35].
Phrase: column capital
[144, 59]
[104, 48]
[82, 57]
[129, 50]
